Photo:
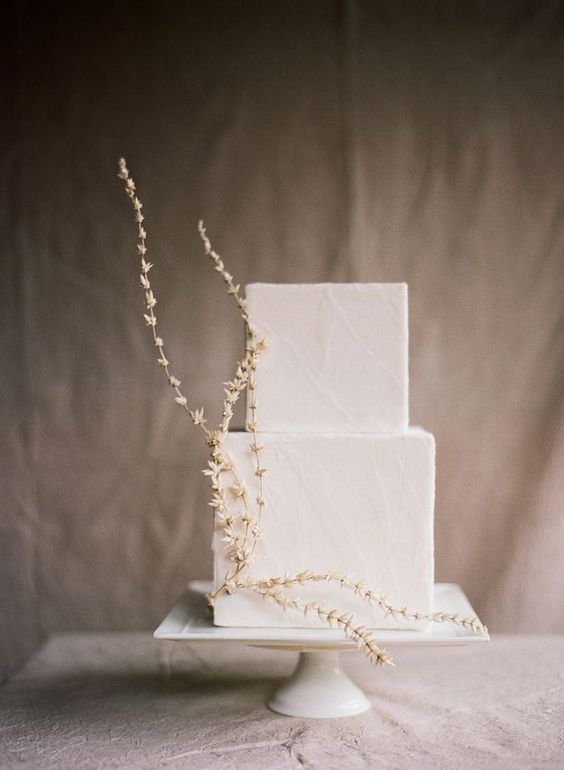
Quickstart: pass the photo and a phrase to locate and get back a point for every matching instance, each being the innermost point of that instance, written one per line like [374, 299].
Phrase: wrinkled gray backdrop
[321, 141]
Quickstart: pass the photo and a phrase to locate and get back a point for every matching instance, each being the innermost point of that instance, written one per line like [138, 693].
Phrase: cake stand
[318, 687]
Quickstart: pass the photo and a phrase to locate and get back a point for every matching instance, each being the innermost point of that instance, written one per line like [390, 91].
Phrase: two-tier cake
[350, 485]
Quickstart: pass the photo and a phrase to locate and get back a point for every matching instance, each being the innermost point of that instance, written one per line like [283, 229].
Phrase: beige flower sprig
[237, 516]
[333, 618]
[242, 550]
[196, 415]
[241, 528]
[232, 289]
[369, 596]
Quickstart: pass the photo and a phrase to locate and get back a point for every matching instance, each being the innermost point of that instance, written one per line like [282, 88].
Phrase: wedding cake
[348, 484]
[323, 506]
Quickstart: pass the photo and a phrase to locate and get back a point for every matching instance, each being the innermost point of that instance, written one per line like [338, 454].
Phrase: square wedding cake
[349, 487]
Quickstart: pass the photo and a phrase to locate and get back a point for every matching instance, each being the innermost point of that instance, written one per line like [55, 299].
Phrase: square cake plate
[318, 687]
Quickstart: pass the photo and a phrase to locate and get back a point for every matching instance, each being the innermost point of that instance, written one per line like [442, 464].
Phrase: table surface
[129, 701]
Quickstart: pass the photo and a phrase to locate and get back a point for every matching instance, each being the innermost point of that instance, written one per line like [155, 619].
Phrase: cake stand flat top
[190, 620]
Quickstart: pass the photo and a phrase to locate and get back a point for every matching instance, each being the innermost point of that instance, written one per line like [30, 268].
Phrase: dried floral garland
[238, 519]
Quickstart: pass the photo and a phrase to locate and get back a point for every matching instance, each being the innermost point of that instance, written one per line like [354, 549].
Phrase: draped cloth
[347, 140]
[124, 700]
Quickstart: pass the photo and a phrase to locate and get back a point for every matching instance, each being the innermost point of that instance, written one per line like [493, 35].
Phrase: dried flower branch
[196, 415]
[359, 634]
[233, 289]
[241, 529]
[240, 550]
[371, 597]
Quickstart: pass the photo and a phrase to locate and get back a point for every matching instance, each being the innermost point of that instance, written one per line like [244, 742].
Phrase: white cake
[349, 486]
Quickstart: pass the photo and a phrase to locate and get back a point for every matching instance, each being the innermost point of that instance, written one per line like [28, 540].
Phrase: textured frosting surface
[358, 504]
[337, 357]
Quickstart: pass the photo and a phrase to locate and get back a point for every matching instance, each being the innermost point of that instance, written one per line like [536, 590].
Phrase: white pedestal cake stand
[318, 687]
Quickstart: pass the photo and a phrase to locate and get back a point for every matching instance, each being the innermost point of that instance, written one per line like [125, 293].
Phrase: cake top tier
[336, 357]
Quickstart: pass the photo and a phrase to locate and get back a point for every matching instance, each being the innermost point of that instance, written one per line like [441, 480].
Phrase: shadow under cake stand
[318, 687]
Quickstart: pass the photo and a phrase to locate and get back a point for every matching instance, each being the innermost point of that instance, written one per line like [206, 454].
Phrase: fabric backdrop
[321, 141]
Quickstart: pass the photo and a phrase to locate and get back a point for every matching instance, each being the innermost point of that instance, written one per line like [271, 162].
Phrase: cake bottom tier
[353, 505]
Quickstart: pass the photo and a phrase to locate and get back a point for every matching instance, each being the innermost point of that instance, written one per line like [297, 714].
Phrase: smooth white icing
[337, 357]
[359, 504]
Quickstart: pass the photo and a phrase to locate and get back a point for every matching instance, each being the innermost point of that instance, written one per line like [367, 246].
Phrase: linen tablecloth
[126, 700]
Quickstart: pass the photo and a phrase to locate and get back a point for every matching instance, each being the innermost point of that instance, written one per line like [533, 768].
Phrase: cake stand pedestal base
[319, 688]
